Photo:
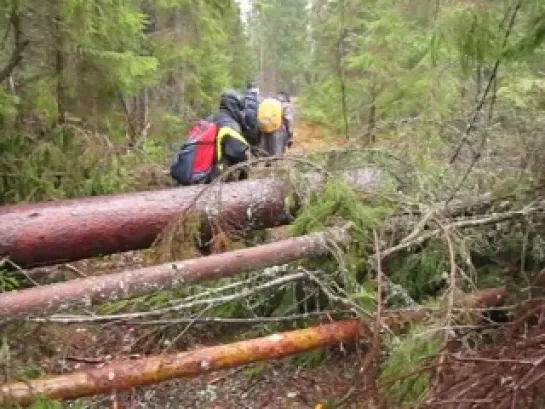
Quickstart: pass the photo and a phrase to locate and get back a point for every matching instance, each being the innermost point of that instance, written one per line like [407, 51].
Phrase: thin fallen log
[132, 283]
[57, 232]
[128, 374]
[119, 375]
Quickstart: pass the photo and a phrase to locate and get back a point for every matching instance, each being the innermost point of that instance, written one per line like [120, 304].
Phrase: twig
[461, 224]
[85, 360]
[491, 79]
[420, 225]
[67, 319]
[342, 300]
[451, 294]
[75, 270]
[346, 301]
[453, 270]
[252, 320]
[369, 367]
[20, 270]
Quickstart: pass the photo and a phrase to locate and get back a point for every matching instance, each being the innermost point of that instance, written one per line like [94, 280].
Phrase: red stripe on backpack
[203, 134]
[196, 158]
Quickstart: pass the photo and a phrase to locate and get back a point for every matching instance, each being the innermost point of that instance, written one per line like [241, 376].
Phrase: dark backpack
[195, 160]
[251, 104]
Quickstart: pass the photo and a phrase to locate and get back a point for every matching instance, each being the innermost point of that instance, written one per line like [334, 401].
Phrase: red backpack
[195, 160]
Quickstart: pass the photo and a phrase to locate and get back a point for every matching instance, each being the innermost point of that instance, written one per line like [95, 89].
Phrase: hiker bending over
[287, 116]
[214, 145]
[275, 124]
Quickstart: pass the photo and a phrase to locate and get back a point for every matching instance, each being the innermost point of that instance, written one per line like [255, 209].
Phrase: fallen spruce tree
[132, 283]
[133, 373]
[55, 232]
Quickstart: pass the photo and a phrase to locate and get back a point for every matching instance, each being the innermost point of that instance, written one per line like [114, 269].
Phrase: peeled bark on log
[133, 373]
[55, 232]
[127, 374]
[132, 283]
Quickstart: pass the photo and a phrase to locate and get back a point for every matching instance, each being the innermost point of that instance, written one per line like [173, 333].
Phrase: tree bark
[56, 232]
[132, 283]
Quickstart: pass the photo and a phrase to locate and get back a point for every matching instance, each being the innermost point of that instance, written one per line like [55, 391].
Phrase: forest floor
[288, 383]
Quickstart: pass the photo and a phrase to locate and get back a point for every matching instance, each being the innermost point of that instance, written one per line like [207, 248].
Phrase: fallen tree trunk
[127, 374]
[133, 373]
[132, 283]
[55, 232]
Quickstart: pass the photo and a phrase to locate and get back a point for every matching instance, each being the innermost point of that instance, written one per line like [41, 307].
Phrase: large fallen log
[55, 232]
[121, 375]
[132, 283]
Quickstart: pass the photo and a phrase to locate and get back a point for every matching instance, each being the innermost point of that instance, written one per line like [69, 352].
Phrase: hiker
[287, 116]
[275, 124]
[251, 104]
[214, 145]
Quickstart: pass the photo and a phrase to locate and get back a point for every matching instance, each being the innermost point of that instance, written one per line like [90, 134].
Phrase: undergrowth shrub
[68, 162]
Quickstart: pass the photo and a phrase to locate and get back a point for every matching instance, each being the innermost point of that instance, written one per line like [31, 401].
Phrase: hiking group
[244, 126]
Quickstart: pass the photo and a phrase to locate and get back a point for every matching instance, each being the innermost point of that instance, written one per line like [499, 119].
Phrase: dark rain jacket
[230, 120]
[251, 105]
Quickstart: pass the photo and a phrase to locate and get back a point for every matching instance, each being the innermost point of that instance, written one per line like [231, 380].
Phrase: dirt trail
[307, 137]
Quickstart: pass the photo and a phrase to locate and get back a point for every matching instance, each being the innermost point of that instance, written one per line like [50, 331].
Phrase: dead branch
[205, 303]
[250, 320]
[370, 364]
[494, 218]
[480, 105]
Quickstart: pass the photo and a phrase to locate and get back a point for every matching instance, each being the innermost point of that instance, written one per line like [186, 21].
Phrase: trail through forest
[416, 180]
[304, 382]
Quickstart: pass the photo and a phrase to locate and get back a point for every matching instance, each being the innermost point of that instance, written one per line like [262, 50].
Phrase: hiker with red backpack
[214, 145]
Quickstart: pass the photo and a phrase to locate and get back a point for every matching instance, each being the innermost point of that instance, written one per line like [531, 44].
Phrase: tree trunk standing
[59, 64]
[180, 94]
[137, 112]
[142, 100]
[478, 82]
[275, 87]
[176, 85]
[262, 59]
[141, 115]
[19, 44]
[340, 69]
[372, 115]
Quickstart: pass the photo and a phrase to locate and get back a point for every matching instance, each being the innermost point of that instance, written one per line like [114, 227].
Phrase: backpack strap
[222, 133]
